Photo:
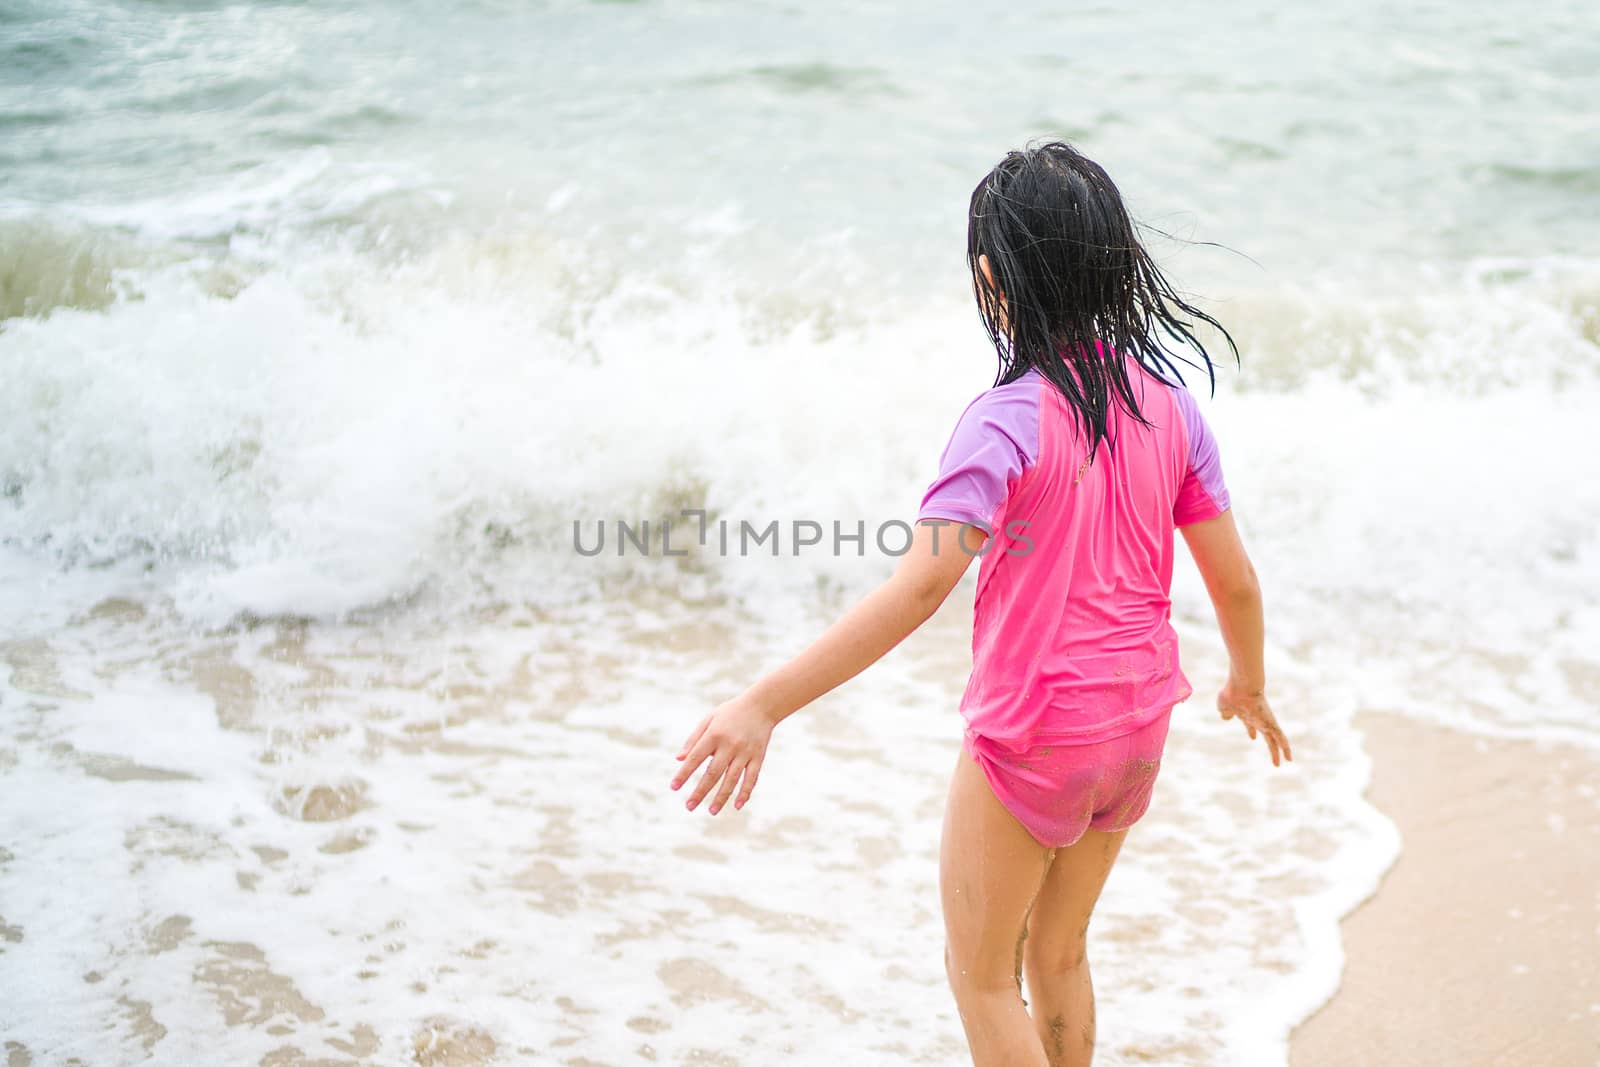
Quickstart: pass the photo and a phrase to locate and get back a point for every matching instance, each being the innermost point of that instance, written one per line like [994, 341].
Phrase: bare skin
[1236, 597]
[985, 915]
[1011, 906]
[1056, 960]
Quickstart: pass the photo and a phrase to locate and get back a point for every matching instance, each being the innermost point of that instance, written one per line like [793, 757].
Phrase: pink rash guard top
[1072, 641]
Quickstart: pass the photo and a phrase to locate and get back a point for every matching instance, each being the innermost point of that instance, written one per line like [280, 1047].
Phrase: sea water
[325, 328]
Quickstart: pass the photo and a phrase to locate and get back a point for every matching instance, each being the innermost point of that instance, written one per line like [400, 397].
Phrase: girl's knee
[1051, 956]
[974, 974]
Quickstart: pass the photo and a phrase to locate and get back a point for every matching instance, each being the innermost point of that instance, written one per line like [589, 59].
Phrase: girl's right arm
[734, 736]
[1236, 594]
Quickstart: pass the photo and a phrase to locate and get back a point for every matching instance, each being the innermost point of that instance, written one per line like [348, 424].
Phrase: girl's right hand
[1251, 708]
[734, 738]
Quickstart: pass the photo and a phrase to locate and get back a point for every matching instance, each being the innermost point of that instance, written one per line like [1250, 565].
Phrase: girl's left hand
[735, 738]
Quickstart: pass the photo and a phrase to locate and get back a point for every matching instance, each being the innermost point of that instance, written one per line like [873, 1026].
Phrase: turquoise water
[320, 325]
[1359, 135]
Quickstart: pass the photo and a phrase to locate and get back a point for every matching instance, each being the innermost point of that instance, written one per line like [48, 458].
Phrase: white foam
[514, 844]
[410, 444]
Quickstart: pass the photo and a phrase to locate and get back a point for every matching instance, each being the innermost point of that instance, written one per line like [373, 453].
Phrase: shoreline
[1478, 945]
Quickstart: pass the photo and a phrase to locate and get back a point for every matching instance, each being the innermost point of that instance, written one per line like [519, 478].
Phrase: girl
[1068, 477]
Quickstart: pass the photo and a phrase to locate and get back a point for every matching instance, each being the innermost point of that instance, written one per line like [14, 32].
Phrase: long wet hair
[1072, 284]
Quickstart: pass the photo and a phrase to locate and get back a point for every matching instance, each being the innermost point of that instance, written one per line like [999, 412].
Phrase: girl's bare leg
[990, 868]
[1055, 960]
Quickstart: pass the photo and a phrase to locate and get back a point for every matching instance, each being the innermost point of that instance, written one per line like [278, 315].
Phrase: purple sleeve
[1203, 494]
[995, 442]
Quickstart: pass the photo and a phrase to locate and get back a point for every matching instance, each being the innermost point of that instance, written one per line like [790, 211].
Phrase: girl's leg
[1056, 962]
[990, 868]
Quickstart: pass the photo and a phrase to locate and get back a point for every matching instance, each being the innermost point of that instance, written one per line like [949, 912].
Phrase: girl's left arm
[734, 736]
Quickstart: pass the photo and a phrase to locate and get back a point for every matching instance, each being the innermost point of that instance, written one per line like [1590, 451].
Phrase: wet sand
[1480, 946]
[411, 842]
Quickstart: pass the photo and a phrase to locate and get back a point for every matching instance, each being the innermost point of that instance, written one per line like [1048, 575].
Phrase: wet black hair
[1074, 277]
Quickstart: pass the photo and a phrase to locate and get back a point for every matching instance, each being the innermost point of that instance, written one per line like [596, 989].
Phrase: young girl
[1068, 477]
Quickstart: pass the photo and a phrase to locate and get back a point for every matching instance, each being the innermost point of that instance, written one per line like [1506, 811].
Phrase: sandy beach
[1480, 945]
[340, 343]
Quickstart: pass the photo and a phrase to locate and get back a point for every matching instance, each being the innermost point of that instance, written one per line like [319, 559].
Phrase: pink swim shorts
[1059, 791]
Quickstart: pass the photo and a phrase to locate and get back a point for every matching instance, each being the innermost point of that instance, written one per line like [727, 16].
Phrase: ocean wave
[1491, 324]
[349, 432]
[50, 265]
[265, 211]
